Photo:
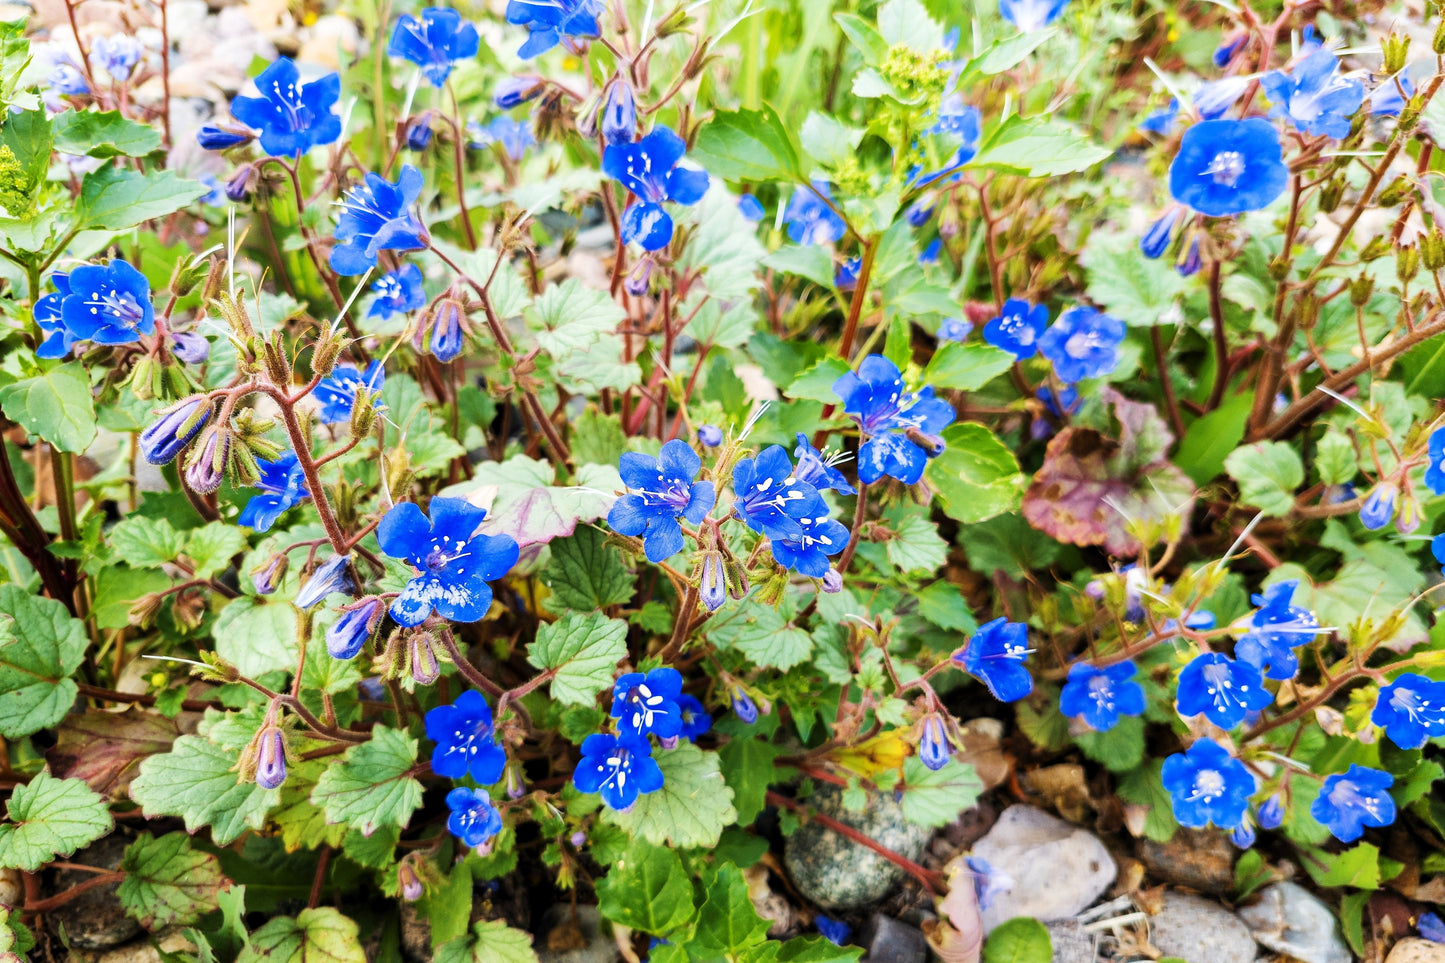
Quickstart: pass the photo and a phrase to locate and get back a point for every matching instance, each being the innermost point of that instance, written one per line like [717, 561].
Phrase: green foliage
[691, 809]
[41, 645]
[580, 652]
[197, 781]
[648, 890]
[50, 817]
[55, 406]
[320, 935]
[1019, 940]
[372, 786]
[167, 882]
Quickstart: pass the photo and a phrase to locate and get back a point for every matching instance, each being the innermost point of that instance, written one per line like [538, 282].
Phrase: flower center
[1101, 691]
[1209, 785]
[1226, 168]
[288, 98]
[123, 308]
[1081, 344]
[444, 551]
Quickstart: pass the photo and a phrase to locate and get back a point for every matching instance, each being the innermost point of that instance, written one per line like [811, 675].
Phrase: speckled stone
[1289, 919]
[1200, 859]
[94, 920]
[1417, 951]
[1072, 944]
[1198, 930]
[1044, 867]
[837, 873]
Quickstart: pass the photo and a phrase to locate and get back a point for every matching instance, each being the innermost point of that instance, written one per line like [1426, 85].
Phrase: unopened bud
[271, 758]
[1379, 246]
[1437, 43]
[144, 610]
[422, 658]
[712, 584]
[1407, 262]
[1432, 250]
[1361, 288]
[358, 622]
[409, 883]
[207, 464]
[1395, 191]
[1396, 52]
[266, 577]
[1331, 194]
[332, 575]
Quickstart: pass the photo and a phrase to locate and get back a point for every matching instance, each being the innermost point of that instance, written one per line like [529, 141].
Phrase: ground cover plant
[462, 463]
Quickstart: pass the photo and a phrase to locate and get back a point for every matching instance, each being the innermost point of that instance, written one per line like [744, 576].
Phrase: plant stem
[931, 880]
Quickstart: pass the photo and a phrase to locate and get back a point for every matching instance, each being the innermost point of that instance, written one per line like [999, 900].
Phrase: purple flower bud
[712, 589]
[423, 661]
[173, 430]
[270, 758]
[1271, 814]
[238, 188]
[409, 883]
[933, 746]
[832, 581]
[1192, 262]
[266, 578]
[332, 575]
[419, 132]
[516, 788]
[710, 436]
[750, 208]
[919, 213]
[1243, 835]
[1225, 52]
[517, 90]
[349, 633]
[619, 114]
[1408, 518]
[212, 137]
[578, 838]
[668, 742]
[636, 283]
[1379, 507]
[190, 347]
[743, 706]
[207, 464]
[1156, 239]
[440, 332]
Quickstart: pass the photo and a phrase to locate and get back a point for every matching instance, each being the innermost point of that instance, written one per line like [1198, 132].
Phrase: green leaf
[907, 22]
[1250, 874]
[257, 636]
[1268, 472]
[198, 781]
[647, 890]
[828, 140]
[1008, 53]
[1144, 788]
[943, 604]
[586, 573]
[115, 199]
[371, 786]
[1335, 460]
[864, 36]
[815, 949]
[762, 634]
[1357, 867]
[1019, 940]
[727, 923]
[598, 438]
[692, 808]
[117, 586]
[936, 797]
[528, 505]
[1121, 749]
[1009, 544]
[28, 135]
[1135, 289]
[1352, 920]
[40, 646]
[490, 941]
[581, 652]
[809, 261]
[966, 367]
[747, 145]
[915, 545]
[1033, 148]
[143, 542]
[574, 318]
[320, 935]
[747, 767]
[1211, 437]
[56, 406]
[302, 825]
[103, 134]
[817, 382]
[50, 817]
[977, 476]
[212, 546]
[167, 882]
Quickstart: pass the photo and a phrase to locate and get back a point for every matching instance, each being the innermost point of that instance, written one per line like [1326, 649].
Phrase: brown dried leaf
[105, 748]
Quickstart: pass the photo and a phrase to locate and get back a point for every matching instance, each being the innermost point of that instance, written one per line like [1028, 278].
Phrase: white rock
[1055, 869]
[1417, 951]
[1290, 920]
[1198, 930]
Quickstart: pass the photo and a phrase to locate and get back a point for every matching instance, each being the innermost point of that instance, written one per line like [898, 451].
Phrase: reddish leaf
[105, 748]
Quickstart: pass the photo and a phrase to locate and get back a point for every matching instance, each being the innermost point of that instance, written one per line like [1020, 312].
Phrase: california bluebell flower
[1277, 627]
[1386, 100]
[108, 304]
[769, 494]
[661, 494]
[1228, 167]
[267, 578]
[216, 137]
[834, 931]
[397, 292]
[551, 21]
[619, 113]
[821, 537]
[328, 578]
[1018, 328]
[1155, 240]
[282, 485]
[1314, 96]
[117, 54]
[1225, 52]
[1214, 99]
[650, 169]
[845, 275]
[1351, 800]
[644, 704]
[337, 393]
[743, 705]
[1225, 690]
[1031, 15]
[750, 208]
[934, 747]
[441, 331]
[169, 434]
[1243, 835]
[465, 738]
[238, 186]
[514, 137]
[1100, 696]
[954, 329]
[377, 216]
[1207, 785]
[454, 564]
[64, 77]
[357, 623]
[1437, 548]
[434, 43]
[1435, 471]
[621, 768]
[695, 718]
[810, 218]
[515, 91]
[1271, 813]
[958, 122]
[48, 315]
[989, 882]
[190, 347]
[1379, 507]
[712, 586]
[473, 819]
[419, 132]
[1192, 261]
[292, 117]
[1083, 343]
[1431, 927]
[892, 420]
[1060, 404]
[1411, 710]
[1162, 121]
[929, 255]
[995, 655]
[709, 436]
[816, 468]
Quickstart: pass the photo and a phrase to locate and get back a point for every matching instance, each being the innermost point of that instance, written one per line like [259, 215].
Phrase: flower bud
[207, 464]
[190, 347]
[1395, 191]
[1437, 42]
[422, 658]
[516, 787]
[409, 883]
[419, 132]
[1432, 250]
[1407, 519]
[919, 212]
[441, 330]
[743, 706]
[238, 188]
[143, 377]
[710, 436]
[619, 113]
[1243, 835]
[1192, 262]
[515, 91]
[750, 208]
[832, 581]
[1155, 241]
[143, 611]
[270, 757]
[712, 585]
[668, 742]
[358, 623]
[1407, 262]
[1379, 507]
[934, 748]
[636, 283]
[578, 839]
[332, 575]
[172, 431]
[1331, 194]
[266, 577]
[1396, 51]
[1271, 814]
[218, 137]
[1361, 288]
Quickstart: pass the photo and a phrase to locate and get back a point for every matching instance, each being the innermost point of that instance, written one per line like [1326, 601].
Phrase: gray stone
[890, 941]
[566, 938]
[94, 920]
[1417, 951]
[1199, 931]
[1201, 859]
[1072, 944]
[1289, 919]
[837, 873]
[1044, 867]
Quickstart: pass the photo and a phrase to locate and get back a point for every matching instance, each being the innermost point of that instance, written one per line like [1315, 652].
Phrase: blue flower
[995, 655]
[1379, 506]
[955, 120]
[920, 212]
[1031, 15]
[434, 43]
[769, 494]
[1411, 710]
[190, 347]
[709, 436]
[1271, 814]
[1314, 96]
[108, 304]
[292, 117]
[1083, 343]
[649, 169]
[330, 577]
[816, 468]
[644, 704]
[1223, 689]
[441, 331]
[743, 705]
[845, 275]
[465, 738]
[619, 114]
[514, 137]
[454, 565]
[934, 747]
[377, 216]
[953, 329]
[821, 537]
[1155, 241]
[1351, 800]
[890, 418]
[338, 393]
[750, 208]
[1212, 100]
[117, 55]
[270, 757]
[349, 633]
[1101, 696]
[165, 437]
[1228, 167]
[1386, 99]
[212, 137]
[1018, 328]
[419, 132]
[1431, 927]
[1162, 120]
[1435, 472]
[1192, 262]
[1437, 548]
[834, 931]
[712, 587]
[64, 77]
[1225, 52]
[1207, 785]
[282, 485]
[516, 91]
[552, 20]
[621, 768]
[810, 218]
[695, 718]
[474, 819]
[1243, 835]
[929, 255]
[397, 292]
[661, 493]
[1278, 628]
[48, 315]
